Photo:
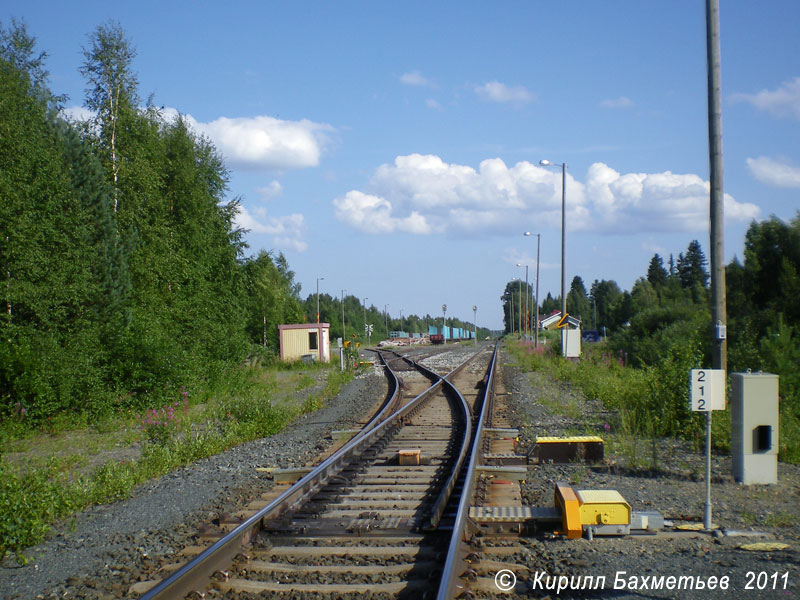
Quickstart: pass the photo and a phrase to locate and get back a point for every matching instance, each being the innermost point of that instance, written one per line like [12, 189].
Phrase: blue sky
[394, 148]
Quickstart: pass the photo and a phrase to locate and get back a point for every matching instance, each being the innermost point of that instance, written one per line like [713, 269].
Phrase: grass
[649, 403]
[72, 469]
[638, 418]
[781, 519]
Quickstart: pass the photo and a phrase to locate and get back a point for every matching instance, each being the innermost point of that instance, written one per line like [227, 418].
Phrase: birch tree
[110, 88]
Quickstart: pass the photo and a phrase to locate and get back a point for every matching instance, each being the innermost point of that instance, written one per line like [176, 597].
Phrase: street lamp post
[527, 293]
[536, 326]
[365, 316]
[475, 322]
[386, 318]
[344, 330]
[444, 321]
[547, 163]
[318, 280]
[511, 314]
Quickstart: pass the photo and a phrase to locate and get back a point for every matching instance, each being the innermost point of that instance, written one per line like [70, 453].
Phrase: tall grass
[649, 403]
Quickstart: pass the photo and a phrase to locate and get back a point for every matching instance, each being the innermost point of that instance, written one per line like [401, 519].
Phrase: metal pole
[318, 278]
[707, 508]
[538, 246]
[475, 322]
[386, 318]
[344, 331]
[719, 355]
[365, 315]
[511, 314]
[519, 305]
[527, 310]
[563, 254]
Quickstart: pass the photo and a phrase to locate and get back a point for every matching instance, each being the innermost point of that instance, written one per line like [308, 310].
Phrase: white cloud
[773, 172]
[373, 214]
[270, 191]
[259, 143]
[654, 202]
[621, 102]
[266, 143]
[431, 103]
[500, 92]
[286, 232]
[414, 78]
[782, 102]
[423, 194]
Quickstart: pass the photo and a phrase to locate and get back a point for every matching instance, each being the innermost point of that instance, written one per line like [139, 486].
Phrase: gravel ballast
[100, 552]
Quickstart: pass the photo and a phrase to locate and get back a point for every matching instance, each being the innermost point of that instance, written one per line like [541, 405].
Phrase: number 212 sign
[707, 390]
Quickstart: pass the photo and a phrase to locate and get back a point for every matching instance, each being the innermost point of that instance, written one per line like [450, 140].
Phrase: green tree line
[121, 270]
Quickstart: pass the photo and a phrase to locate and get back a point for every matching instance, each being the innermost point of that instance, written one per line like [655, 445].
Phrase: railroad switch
[575, 513]
[600, 512]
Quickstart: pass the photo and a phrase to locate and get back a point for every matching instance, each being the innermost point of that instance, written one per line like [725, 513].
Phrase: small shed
[570, 333]
[309, 341]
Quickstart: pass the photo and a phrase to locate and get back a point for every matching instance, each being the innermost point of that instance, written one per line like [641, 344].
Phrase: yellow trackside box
[603, 507]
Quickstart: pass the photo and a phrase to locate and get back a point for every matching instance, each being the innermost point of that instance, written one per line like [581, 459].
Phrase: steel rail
[196, 574]
[447, 489]
[454, 563]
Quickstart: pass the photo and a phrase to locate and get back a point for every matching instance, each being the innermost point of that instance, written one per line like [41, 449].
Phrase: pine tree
[577, 302]
[656, 273]
[692, 272]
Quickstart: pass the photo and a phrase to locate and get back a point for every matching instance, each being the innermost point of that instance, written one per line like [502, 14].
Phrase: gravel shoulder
[98, 552]
[676, 488]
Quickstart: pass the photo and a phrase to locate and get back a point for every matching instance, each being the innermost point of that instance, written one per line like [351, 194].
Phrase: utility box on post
[754, 427]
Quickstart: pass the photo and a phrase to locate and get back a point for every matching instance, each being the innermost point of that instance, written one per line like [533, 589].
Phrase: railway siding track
[360, 522]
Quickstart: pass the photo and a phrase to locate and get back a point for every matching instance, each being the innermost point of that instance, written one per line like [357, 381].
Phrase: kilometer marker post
[706, 394]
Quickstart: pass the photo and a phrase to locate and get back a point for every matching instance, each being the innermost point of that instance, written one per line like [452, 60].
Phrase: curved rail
[450, 484]
[195, 574]
[454, 562]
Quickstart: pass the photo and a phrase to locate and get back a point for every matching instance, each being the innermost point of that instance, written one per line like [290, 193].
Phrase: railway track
[381, 516]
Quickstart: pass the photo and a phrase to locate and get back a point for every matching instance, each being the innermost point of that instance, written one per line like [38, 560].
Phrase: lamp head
[545, 163]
